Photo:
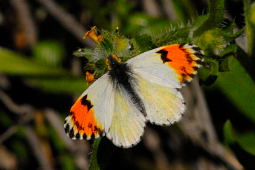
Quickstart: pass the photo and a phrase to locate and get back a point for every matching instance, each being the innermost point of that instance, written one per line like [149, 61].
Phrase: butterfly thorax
[119, 72]
[122, 77]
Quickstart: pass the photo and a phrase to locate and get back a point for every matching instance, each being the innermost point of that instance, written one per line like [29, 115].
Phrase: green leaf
[49, 79]
[239, 87]
[59, 85]
[49, 53]
[144, 42]
[224, 65]
[184, 9]
[212, 42]
[85, 52]
[15, 64]
[67, 162]
[231, 49]
[208, 74]
[229, 133]
[93, 158]
[171, 34]
[216, 16]
[247, 141]
[249, 11]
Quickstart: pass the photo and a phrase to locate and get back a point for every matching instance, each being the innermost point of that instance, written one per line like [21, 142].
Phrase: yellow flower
[89, 77]
[93, 35]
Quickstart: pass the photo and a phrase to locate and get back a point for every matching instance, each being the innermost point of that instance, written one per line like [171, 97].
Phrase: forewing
[91, 114]
[171, 65]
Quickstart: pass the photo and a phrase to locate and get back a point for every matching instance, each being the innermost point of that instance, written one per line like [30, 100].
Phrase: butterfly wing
[102, 108]
[159, 73]
[91, 114]
[128, 122]
[170, 65]
[163, 105]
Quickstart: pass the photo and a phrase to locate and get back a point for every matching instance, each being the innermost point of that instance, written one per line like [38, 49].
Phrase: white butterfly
[145, 88]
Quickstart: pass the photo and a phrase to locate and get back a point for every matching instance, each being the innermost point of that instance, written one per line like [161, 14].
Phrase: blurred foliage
[128, 31]
[94, 165]
[245, 140]
[49, 53]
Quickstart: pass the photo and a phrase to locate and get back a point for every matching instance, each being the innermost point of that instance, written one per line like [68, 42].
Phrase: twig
[25, 20]
[26, 113]
[152, 141]
[197, 126]
[8, 133]
[152, 8]
[169, 9]
[57, 123]
[4, 83]
[13, 106]
[38, 152]
[79, 151]
[67, 20]
[22, 110]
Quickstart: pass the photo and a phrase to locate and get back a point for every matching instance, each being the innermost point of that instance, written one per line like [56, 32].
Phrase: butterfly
[143, 89]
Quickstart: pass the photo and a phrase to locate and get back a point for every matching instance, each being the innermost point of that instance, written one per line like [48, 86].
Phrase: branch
[26, 113]
[197, 126]
[13, 107]
[79, 150]
[8, 133]
[37, 149]
[67, 20]
[25, 20]
[151, 7]
[168, 7]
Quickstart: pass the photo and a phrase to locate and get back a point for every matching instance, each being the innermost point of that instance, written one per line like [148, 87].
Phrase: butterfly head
[112, 61]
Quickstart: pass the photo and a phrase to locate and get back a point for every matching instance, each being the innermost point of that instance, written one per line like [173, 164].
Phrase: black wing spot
[86, 102]
[196, 48]
[189, 59]
[71, 133]
[199, 55]
[163, 54]
[181, 45]
[77, 136]
[192, 75]
[195, 68]
[67, 128]
[199, 62]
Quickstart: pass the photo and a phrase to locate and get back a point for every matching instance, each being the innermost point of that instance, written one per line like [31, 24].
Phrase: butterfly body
[122, 79]
[145, 88]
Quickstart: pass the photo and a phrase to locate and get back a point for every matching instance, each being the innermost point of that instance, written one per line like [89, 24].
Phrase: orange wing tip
[184, 59]
[196, 53]
[82, 124]
[72, 131]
